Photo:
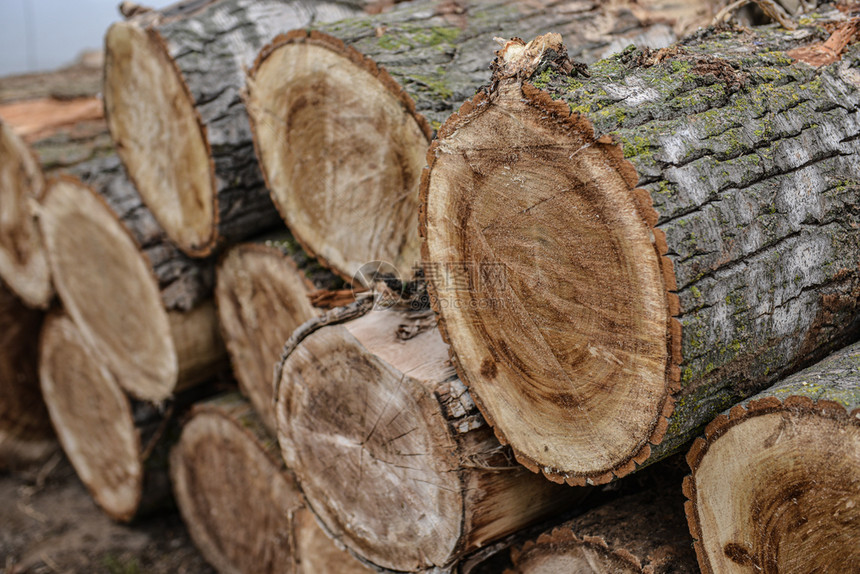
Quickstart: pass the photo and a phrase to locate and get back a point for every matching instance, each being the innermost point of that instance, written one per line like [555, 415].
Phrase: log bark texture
[116, 445]
[26, 437]
[636, 534]
[263, 294]
[172, 100]
[343, 113]
[775, 484]
[616, 258]
[241, 504]
[388, 447]
[144, 313]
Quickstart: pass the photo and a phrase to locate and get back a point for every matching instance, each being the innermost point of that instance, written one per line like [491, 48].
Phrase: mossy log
[388, 448]
[242, 506]
[618, 257]
[775, 484]
[172, 100]
[26, 437]
[263, 293]
[643, 533]
[343, 113]
[142, 310]
[117, 446]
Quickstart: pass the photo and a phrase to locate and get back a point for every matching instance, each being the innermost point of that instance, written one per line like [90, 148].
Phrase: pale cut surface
[316, 553]
[356, 418]
[157, 113]
[580, 559]
[236, 499]
[109, 289]
[23, 264]
[559, 315]
[92, 417]
[262, 298]
[200, 351]
[341, 154]
[780, 492]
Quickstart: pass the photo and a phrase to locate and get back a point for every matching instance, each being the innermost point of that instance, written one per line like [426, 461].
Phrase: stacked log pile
[502, 284]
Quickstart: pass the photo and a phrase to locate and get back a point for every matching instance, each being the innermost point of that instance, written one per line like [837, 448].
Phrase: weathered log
[775, 484]
[116, 445]
[242, 506]
[263, 294]
[155, 338]
[643, 533]
[81, 79]
[23, 266]
[25, 431]
[388, 448]
[172, 83]
[343, 113]
[617, 258]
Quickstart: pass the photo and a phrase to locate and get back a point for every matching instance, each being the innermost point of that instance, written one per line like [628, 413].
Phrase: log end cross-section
[342, 150]
[159, 136]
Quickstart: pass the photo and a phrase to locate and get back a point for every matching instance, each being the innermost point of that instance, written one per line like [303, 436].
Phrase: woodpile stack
[503, 283]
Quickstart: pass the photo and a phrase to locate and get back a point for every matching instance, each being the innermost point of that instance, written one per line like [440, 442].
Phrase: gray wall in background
[46, 34]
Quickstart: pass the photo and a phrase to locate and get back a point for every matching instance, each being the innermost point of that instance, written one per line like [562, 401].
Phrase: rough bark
[388, 448]
[116, 445]
[775, 483]
[343, 113]
[241, 504]
[26, 437]
[617, 258]
[82, 79]
[23, 266]
[136, 310]
[172, 100]
[643, 533]
[263, 293]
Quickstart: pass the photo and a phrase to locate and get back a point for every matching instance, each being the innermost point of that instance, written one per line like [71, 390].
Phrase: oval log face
[93, 419]
[341, 153]
[236, 500]
[108, 288]
[23, 266]
[159, 137]
[780, 492]
[371, 449]
[262, 298]
[549, 285]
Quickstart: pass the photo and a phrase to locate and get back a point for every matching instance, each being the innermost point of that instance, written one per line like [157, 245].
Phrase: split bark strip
[775, 485]
[263, 293]
[116, 445]
[26, 437]
[156, 339]
[242, 506]
[172, 82]
[343, 113]
[23, 265]
[656, 241]
[388, 448]
[642, 533]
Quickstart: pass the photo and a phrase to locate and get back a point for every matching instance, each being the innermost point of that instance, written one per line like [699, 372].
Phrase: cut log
[242, 507]
[618, 258]
[342, 141]
[26, 437]
[263, 294]
[775, 484]
[172, 100]
[23, 265]
[388, 448]
[643, 533]
[115, 445]
[154, 338]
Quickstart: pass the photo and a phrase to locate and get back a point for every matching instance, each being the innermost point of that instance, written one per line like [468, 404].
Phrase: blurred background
[40, 35]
